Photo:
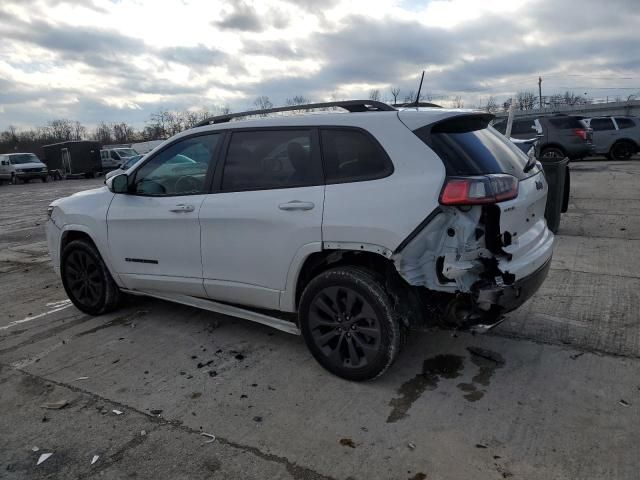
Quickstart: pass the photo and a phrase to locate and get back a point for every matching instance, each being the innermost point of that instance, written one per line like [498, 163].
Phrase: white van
[16, 167]
[112, 158]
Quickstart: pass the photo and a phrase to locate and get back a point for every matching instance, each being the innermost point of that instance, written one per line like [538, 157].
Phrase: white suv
[350, 228]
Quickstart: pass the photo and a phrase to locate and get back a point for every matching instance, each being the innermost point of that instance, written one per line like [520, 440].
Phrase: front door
[268, 207]
[154, 232]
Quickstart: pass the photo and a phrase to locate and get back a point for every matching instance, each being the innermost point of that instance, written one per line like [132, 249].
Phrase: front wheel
[349, 323]
[87, 280]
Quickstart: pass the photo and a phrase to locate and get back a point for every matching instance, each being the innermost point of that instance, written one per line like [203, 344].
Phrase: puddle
[487, 362]
[433, 369]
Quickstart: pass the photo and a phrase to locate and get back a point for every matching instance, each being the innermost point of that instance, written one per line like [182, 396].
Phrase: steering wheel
[187, 183]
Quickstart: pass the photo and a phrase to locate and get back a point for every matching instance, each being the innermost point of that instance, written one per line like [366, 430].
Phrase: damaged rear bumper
[510, 297]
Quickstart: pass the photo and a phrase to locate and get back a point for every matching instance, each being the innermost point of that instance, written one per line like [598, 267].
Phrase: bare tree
[297, 100]
[395, 91]
[490, 106]
[526, 100]
[102, 134]
[374, 94]
[263, 103]
[457, 102]
[79, 131]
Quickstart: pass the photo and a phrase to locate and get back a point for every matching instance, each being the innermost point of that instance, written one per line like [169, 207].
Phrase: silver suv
[350, 228]
[617, 138]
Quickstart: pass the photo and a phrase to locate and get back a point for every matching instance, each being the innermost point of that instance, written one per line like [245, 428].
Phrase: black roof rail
[349, 105]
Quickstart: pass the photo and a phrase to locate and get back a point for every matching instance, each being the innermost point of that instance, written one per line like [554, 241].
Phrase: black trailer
[71, 159]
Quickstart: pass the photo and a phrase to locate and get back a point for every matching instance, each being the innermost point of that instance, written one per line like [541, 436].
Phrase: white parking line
[28, 319]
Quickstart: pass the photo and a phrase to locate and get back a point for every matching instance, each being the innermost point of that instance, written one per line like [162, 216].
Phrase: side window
[625, 123]
[352, 156]
[600, 124]
[264, 159]
[179, 169]
[523, 127]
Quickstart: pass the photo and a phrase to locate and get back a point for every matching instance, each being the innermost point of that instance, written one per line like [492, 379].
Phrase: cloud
[243, 17]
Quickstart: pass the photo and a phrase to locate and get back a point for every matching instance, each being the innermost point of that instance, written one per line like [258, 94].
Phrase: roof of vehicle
[412, 117]
[19, 153]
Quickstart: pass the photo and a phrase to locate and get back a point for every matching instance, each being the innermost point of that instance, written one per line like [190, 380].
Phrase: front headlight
[44, 169]
[50, 210]
[18, 170]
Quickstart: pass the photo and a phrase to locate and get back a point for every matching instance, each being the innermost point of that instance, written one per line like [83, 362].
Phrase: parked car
[349, 228]
[617, 138]
[123, 167]
[559, 135]
[73, 159]
[22, 167]
[112, 158]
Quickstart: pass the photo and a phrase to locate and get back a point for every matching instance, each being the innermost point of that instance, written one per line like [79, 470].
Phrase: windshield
[126, 152]
[23, 158]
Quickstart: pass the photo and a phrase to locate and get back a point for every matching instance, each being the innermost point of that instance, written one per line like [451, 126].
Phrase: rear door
[604, 133]
[268, 207]
[154, 231]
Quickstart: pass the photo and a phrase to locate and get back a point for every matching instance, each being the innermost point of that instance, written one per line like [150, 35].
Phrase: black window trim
[210, 171]
[216, 184]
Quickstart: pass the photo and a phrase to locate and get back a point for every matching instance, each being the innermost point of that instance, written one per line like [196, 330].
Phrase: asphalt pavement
[552, 393]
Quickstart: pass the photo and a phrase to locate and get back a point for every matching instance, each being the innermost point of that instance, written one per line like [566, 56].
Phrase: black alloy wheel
[87, 280]
[345, 327]
[83, 277]
[349, 323]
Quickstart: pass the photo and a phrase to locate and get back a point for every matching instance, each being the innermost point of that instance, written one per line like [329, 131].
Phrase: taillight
[479, 190]
[580, 132]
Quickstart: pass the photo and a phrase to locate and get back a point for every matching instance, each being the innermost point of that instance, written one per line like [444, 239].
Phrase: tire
[552, 152]
[335, 338]
[89, 175]
[622, 150]
[14, 180]
[87, 280]
[44, 179]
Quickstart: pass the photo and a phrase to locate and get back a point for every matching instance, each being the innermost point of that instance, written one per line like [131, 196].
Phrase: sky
[122, 60]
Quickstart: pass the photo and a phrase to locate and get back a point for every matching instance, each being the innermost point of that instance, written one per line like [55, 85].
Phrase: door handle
[182, 208]
[296, 205]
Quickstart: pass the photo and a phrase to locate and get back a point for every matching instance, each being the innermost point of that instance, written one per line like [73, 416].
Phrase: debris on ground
[411, 445]
[81, 378]
[486, 354]
[117, 412]
[480, 445]
[213, 373]
[209, 435]
[34, 449]
[239, 356]
[576, 355]
[347, 442]
[624, 403]
[95, 459]
[156, 412]
[55, 405]
[43, 458]
[143, 433]
[419, 476]
[200, 365]
[195, 395]
[257, 419]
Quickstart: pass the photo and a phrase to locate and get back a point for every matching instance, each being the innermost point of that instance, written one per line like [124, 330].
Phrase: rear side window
[501, 126]
[625, 123]
[565, 123]
[467, 146]
[265, 159]
[524, 127]
[601, 124]
[352, 156]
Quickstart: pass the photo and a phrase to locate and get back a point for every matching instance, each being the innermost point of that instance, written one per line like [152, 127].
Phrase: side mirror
[119, 183]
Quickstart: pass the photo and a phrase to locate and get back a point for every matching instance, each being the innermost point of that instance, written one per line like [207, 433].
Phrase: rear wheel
[552, 152]
[87, 280]
[349, 323]
[622, 150]
[44, 179]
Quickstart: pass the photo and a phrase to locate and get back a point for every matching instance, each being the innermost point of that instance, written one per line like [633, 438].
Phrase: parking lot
[552, 393]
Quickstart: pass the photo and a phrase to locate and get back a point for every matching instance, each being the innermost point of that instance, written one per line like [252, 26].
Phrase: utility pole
[540, 91]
